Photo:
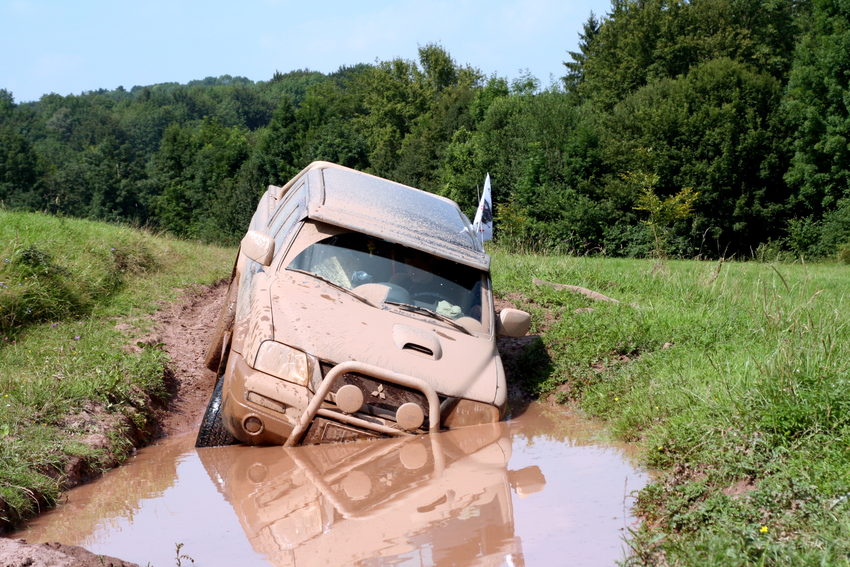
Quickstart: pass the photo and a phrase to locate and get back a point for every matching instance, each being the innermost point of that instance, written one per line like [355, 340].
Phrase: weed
[180, 557]
[844, 253]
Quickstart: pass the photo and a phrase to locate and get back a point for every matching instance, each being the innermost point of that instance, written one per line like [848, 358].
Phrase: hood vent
[419, 341]
[418, 348]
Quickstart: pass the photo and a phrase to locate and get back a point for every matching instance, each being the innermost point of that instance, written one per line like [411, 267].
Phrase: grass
[73, 295]
[733, 378]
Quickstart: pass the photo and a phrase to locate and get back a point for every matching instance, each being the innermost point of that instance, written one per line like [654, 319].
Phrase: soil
[182, 328]
[18, 553]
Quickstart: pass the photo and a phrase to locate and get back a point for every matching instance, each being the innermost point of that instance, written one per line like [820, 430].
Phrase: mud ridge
[183, 329]
[18, 553]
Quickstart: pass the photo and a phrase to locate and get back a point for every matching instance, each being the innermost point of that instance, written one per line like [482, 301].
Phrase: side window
[283, 234]
[293, 194]
[285, 219]
[276, 222]
[280, 231]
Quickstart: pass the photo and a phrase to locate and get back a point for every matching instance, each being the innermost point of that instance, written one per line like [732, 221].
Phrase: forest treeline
[740, 105]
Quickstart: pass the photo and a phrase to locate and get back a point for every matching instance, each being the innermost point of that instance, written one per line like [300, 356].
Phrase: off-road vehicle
[358, 307]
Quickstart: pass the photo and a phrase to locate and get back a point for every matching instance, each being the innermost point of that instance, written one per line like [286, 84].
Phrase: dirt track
[183, 327]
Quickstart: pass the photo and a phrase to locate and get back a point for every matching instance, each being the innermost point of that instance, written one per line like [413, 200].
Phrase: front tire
[212, 432]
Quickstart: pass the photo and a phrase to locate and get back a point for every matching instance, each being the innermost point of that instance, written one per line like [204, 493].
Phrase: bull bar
[314, 407]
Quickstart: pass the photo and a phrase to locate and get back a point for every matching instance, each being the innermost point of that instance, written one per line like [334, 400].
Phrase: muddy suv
[358, 307]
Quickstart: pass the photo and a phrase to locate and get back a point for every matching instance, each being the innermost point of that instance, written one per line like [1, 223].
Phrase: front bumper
[260, 409]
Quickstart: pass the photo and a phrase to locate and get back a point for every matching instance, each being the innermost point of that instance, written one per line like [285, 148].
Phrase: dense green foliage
[71, 388]
[742, 102]
[733, 379]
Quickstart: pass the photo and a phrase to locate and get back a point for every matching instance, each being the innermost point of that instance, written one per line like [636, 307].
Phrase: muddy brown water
[539, 489]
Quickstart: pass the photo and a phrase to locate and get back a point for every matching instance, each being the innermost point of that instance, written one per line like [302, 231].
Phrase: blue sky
[70, 46]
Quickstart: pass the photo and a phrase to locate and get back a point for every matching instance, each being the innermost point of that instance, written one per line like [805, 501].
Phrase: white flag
[483, 223]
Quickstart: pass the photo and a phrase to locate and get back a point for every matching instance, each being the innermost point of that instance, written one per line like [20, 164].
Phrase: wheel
[212, 432]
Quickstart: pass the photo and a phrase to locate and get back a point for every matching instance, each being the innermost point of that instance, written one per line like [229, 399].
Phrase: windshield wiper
[428, 313]
[333, 284]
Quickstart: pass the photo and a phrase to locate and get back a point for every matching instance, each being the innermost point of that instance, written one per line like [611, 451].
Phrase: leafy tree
[440, 70]
[645, 40]
[711, 130]
[575, 67]
[19, 172]
[194, 169]
[816, 107]
[279, 149]
[460, 172]
[423, 148]
[393, 96]
[294, 84]
[7, 104]
[663, 213]
[108, 179]
[327, 123]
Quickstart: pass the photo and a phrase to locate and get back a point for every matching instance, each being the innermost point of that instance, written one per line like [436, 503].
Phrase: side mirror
[258, 247]
[513, 323]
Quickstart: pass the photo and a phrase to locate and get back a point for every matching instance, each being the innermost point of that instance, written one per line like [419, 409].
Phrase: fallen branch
[575, 289]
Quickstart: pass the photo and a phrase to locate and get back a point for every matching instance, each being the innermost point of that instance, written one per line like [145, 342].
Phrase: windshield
[352, 259]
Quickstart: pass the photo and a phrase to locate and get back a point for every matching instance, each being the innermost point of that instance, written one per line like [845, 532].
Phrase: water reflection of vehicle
[433, 500]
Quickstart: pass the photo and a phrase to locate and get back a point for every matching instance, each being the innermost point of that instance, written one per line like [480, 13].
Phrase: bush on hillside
[35, 286]
[844, 253]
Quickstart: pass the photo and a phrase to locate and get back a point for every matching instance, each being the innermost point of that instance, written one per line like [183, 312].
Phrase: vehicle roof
[395, 212]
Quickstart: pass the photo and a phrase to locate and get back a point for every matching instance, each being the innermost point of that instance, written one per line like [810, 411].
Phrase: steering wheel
[427, 297]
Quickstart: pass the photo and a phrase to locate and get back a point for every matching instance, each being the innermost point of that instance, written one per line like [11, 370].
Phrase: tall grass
[734, 379]
[53, 269]
[69, 386]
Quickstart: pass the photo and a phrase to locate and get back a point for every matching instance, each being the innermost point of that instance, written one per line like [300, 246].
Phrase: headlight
[468, 412]
[283, 362]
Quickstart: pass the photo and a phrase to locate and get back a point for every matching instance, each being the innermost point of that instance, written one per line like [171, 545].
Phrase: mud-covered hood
[334, 326]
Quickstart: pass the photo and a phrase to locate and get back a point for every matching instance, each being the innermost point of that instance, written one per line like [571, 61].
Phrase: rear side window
[284, 220]
[293, 194]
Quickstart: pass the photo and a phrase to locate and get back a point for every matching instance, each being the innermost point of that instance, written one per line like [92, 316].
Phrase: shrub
[844, 253]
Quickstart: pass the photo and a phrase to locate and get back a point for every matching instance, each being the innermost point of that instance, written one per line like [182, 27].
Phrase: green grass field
[734, 379]
[65, 372]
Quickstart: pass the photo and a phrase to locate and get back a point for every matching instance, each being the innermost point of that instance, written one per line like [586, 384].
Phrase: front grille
[384, 397]
[325, 431]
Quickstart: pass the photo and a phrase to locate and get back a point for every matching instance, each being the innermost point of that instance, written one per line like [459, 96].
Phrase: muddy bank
[181, 328]
[18, 553]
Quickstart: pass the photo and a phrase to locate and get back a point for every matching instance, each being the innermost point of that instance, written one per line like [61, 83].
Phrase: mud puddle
[537, 490]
